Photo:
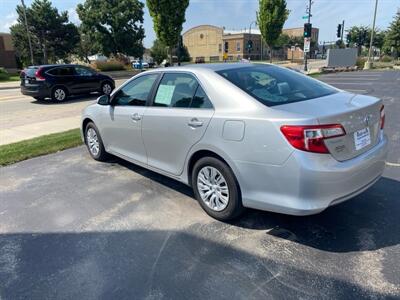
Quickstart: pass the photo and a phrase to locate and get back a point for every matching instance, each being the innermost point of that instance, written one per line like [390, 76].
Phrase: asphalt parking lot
[74, 228]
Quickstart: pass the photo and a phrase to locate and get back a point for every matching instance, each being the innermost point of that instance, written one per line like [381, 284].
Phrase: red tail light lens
[382, 116]
[39, 75]
[311, 138]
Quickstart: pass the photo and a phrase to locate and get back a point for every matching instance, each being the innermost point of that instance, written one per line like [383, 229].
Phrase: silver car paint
[272, 174]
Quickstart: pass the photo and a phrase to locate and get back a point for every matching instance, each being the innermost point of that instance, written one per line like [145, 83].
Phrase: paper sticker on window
[164, 94]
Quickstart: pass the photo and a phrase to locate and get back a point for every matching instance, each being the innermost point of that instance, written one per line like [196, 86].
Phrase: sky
[238, 14]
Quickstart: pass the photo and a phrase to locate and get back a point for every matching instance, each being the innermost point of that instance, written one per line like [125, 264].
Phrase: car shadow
[369, 221]
[70, 100]
[155, 264]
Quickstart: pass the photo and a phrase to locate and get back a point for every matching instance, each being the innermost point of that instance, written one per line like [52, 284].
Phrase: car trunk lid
[358, 114]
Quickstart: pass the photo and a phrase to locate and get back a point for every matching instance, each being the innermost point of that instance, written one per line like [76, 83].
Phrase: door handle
[194, 123]
[136, 117]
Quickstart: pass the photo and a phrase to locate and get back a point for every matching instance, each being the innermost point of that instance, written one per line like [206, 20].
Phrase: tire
[91, 135]
[106, 88]
[59, 94]
[215, 206]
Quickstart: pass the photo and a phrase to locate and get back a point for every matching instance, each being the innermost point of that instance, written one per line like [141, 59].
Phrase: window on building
[238, 46]
[219, 47]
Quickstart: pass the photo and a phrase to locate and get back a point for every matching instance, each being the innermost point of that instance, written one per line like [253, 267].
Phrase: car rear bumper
[308, 183]
[39, 91]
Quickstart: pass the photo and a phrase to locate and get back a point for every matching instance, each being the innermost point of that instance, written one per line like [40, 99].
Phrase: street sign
[304, 17]
[293, 48]
[307, 45]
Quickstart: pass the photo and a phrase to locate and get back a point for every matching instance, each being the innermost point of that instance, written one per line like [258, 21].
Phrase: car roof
[53, 65]
[210, 67]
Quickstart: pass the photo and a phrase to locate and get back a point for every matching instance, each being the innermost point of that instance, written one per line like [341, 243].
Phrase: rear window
[275, 86]
[30, 72]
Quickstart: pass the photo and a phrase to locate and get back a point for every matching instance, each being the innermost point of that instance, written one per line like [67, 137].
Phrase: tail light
[382, 116]
[311, 138]
[39, 75]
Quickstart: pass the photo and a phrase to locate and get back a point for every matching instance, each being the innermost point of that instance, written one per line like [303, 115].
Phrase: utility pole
[342, 31]
[27, 31]
[368, 63]
[309, 21]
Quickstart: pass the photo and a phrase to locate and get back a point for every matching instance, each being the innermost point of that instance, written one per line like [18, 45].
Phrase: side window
[200, 99]
[135, 92]
[175, 90]
[82, 71]
[61, 71]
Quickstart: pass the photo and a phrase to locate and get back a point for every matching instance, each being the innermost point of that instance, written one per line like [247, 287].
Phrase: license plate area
[362, 138]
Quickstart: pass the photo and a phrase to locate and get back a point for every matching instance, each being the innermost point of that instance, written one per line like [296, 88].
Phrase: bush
[386, 58]
[111, 65]
[4, 74]
[360, 62]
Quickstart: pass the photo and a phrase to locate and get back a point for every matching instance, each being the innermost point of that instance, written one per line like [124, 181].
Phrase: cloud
[10, 19]
[73, 16]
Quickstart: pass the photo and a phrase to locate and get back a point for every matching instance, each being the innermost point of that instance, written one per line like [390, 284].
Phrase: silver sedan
[244, 135]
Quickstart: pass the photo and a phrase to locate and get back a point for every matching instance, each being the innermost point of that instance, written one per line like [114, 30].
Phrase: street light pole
[309, 20]
[368, 63]
[27, 31]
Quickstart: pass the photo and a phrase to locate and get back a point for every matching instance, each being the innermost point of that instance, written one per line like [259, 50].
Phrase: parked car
[60, 81]
[136, 64]
[244, 135]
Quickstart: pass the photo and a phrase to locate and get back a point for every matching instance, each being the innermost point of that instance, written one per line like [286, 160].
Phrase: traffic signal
[339, 30]
[249, 45]
[226, 44]
[307, 30]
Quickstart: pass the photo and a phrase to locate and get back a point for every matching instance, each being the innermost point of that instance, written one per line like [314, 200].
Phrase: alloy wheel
[93, 141]
[107, 89]
[59, 94]
[213, 189]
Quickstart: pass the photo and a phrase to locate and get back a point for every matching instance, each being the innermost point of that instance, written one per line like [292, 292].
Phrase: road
[74, 228]
[22, 117]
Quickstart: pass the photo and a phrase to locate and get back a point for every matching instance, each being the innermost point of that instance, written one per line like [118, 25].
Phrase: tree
[168, 17]
[392, 38]
[114, 26]
[53, 36]
[158, 51]
[86, 47]
[271, 16]
[358, 36]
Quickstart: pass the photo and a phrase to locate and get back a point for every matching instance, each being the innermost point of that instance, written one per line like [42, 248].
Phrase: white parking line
[392, 164]
[350, 78]
[357, 91]
[355, 83]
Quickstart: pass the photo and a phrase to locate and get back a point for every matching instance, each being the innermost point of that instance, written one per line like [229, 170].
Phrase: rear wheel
[216, 189]
[59, 94]
[94, 143]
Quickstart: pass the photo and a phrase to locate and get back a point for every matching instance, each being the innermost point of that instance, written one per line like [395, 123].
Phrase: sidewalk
[9, 85]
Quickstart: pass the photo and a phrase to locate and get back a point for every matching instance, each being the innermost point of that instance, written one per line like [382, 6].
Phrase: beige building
[207, 42]
[204, 41]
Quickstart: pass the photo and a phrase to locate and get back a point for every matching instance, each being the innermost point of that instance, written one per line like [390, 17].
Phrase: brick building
[7, 52]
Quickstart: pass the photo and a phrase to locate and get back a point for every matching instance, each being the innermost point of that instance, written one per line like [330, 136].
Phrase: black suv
[60, 81]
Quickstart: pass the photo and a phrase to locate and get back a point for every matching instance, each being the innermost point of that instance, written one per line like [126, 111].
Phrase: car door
[86, 80]
[175, 120]
[121, 127]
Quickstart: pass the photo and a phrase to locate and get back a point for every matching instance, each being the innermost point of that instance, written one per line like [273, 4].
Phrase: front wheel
[106, 88]
[216, 189]
[94, 143]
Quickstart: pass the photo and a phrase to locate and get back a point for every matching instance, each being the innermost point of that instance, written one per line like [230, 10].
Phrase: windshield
[275, 86]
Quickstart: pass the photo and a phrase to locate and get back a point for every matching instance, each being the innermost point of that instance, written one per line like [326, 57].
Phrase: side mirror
[103, 100]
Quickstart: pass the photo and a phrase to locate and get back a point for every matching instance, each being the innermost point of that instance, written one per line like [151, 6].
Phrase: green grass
[9, 78]
[15, 152]
[315, 75]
